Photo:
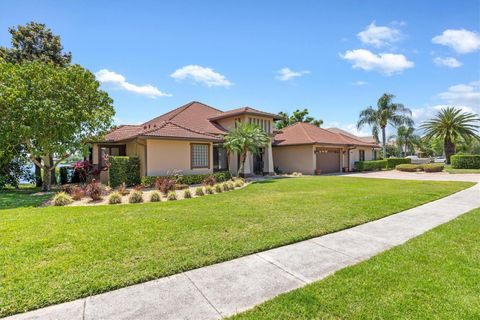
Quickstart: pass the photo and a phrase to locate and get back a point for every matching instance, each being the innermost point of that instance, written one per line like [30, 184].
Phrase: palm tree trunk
[384, 144]
[243, 157]
[449, 148]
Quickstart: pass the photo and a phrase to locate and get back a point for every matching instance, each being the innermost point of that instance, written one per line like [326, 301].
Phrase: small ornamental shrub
[239, 183]
[218, 188]
[136, 197]
[297, 174]
[62, 199]
[122, 189]
[78, 193]
[408, 167]
[172, 195]
[225, 187]
[199, 191]
[187, 194]
[155, 196]
[115, 197]
[138, 187]
[433, 167]
[188, 179]
[68, 189]
[181, 186]
[165, 184]
[209, 189]
[209, 181]
[95, 190]
[230, 185]
[465, 161]
[370, 165]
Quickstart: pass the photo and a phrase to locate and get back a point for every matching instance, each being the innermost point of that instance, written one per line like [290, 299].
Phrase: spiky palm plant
[246, 137]
[452, 124]
[406, 139]
[387, 112]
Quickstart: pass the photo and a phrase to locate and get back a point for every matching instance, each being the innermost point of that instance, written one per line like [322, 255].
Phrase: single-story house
[189, 139]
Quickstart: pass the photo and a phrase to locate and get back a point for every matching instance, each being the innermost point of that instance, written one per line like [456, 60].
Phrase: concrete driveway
[394, 174]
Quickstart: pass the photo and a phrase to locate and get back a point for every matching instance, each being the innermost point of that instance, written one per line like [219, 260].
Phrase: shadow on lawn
[21, 198]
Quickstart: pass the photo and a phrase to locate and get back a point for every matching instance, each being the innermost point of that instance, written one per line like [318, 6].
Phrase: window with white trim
[200, 155]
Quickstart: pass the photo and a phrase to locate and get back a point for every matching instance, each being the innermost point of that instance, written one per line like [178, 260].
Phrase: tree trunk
[38, 174]
[53, 178]
[47, 179]
[384, 143]
[243, 157]
[449, 148]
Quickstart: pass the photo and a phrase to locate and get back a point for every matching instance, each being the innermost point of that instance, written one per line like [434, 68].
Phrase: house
[189, 139]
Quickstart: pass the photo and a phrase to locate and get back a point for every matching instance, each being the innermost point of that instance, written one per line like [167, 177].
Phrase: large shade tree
[246, 137]
[297, 116]
[452, 125]
[51, 110]
[386, 113]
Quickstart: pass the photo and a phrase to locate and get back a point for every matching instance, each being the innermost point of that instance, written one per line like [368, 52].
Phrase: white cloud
[426, 113]
[463, 95]
[447, 62]
[360, 83]
[286, 74]
[106, 76]
[203, 75]
[379, 36]
[462, 41]
[350, 128]
[386, 63]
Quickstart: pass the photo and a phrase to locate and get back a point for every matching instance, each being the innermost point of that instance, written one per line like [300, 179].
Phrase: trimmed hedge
[433, 167]
[370, 165]
[408, 167]
[392, 163]
[190, 179]
[124, 170]
[465, 161]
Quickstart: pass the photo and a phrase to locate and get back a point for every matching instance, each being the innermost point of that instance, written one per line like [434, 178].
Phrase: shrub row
[149, 181]
[465, 161]
[370, 165]
[429, 167]
[392, 163]
[124, 170]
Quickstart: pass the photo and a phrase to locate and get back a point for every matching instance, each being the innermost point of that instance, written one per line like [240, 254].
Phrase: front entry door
[258, 162]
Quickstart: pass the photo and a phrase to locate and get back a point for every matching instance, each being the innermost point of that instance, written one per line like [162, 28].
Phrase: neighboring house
[189, 139]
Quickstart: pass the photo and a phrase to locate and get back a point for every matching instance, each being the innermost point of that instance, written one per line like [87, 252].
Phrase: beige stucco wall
[163, 156]
[294, 159]
[354, 155]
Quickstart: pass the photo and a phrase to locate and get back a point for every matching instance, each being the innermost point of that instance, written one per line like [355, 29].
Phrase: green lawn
[434, 276]
[449, 169]
[22, 197]
[54, 254]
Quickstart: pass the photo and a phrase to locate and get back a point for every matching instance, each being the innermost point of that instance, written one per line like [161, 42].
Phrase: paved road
[226, 288]
[435, 176]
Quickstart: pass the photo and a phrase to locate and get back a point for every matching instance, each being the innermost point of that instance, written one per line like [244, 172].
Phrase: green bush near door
[124, 170]
[466, 161]
[370, 165]
[393, 162]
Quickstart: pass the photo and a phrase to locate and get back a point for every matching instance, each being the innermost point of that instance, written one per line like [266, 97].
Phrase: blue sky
[332, 57]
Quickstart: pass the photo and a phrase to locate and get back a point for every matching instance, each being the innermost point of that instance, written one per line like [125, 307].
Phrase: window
[361, 155]
[200, 155]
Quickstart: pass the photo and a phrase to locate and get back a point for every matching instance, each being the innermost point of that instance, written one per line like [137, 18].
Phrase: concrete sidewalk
[432, 176]
[226, 288]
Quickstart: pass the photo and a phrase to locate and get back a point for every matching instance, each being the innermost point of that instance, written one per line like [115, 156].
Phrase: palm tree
[451, 124]
[386, 113]
[246, 137]
[405, 139]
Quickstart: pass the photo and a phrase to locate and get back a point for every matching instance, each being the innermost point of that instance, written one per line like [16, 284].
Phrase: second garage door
[328, 160]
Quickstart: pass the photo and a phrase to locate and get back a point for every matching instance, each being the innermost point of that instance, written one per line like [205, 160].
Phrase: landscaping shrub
[218, 188]
[115, 198]
[136, 197]
[370, 165]
[225, 186]
[209, 181]
[124, 170]
[181, 186]
[393, 162]
[199, 191]
[122, 189]
[62, 199]
[188, 179]
[172, 195]
[209, 189]
[95, 190]
[296, 174]
[433, 167]
[231, 185]
[165, 184]
[408, 167]
[238, 183]
[465, 161]
[155, 196]
[78, 193]
[187, 194]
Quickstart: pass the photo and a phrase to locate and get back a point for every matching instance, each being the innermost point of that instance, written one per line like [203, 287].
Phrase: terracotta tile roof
[123, 132]
[369, 139]
[172, 130]
[245, 110]
[305, 133]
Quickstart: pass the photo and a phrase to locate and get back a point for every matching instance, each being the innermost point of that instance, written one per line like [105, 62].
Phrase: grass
[434, 276]
[22, 197]
[449, 169]
[55, 254]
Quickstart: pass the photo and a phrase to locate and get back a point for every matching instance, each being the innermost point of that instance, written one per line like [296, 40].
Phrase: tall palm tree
[451, 124]
[406, 139]
[387, 112]
[244, 138]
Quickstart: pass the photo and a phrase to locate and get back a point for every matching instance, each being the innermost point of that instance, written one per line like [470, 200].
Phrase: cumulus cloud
[202, 75]
[465, 95]
[462, 41]
[386, 63]
[360, 83]
[350, 128]
[286, 74]
[379, 36]
[447, 62]
[119, 81]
